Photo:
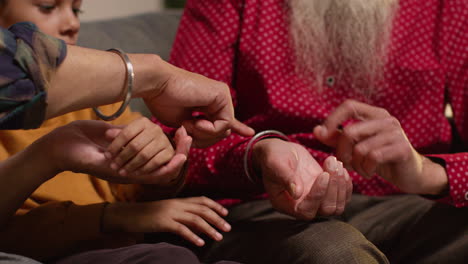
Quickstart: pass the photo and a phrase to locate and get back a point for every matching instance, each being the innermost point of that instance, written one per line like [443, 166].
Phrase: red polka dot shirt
[245, 44]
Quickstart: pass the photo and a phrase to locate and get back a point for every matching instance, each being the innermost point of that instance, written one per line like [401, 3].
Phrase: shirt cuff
[456, 166]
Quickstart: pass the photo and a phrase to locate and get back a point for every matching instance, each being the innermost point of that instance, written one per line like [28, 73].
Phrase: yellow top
[81, 197]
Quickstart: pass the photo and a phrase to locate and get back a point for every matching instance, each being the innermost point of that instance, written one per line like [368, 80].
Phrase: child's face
[58, 18]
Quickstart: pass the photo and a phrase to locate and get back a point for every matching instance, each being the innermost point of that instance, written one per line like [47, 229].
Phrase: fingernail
[346, 175]
[332, 164]
[227, 226]
[200, 242]
[225, 211]
[323, 131]
[324, 180]
[218, 236]
[114, 166]
[292, 188]
[123, 172]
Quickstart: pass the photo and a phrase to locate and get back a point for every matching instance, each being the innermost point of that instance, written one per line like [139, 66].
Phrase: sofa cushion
[145, 33]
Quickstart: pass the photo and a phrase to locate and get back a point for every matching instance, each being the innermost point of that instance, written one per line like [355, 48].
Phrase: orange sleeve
[58, 229]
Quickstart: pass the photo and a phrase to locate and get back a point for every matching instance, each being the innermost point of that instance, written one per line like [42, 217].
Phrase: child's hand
[184, 217]
[142, 148]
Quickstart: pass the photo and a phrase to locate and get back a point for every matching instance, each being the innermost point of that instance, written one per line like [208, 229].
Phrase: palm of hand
[288, 162]
[81, 146]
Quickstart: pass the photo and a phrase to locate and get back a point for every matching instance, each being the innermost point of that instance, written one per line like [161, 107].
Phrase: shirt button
[330, 81]
[466, 196]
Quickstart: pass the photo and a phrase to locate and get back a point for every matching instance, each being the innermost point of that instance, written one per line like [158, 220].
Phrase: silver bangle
[128, 96]
[250, 145]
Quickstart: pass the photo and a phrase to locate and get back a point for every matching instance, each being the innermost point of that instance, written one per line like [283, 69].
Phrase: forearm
[89, 78]
[57, 229]
[21, 174]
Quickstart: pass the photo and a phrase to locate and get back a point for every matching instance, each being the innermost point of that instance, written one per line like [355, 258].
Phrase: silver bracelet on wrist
[273, 133]
[130, 79]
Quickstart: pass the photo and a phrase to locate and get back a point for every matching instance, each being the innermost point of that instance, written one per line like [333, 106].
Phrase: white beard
[346, 38]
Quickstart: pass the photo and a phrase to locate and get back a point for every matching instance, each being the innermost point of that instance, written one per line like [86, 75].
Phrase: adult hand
[378, 144]
[296, 183]
[81, 145]
[184, 217]
[180, 94]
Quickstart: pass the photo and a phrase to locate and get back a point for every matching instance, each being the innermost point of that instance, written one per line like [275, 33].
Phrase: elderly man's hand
[180, 94]
[296, 183]
[378, 144]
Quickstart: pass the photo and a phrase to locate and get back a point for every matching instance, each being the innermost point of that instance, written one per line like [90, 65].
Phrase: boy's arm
[57, 229]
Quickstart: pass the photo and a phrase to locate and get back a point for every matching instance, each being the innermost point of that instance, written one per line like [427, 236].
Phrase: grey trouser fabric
[406, 228]
[411, 229]
[262, 235]
[15, 259]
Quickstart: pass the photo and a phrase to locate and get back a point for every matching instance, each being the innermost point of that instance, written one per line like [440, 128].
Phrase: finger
[364, 161]
[196, 222]
[329, 203]
[390, 153]
[140, 143]
[156, 162]
[183, 141]
[212, 217]
[126, 135]
[205, 201]
[144, 156]
[165, 174]
[308, 208]
[241, 128]
[349, 186]
[342, 192]
[353, 134]
[186, 233]
[291, 180]
[203, 132]
[112, 133]
[350, 109]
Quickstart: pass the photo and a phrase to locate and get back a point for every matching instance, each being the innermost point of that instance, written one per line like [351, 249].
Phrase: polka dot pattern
[245, 44]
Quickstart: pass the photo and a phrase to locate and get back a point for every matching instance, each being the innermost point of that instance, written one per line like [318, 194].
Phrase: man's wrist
[259, 150]
[436, 178]
[151, 73]
[248, 166]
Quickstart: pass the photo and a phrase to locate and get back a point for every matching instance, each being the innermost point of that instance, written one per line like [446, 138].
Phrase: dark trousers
[160, 253]
[395, 229]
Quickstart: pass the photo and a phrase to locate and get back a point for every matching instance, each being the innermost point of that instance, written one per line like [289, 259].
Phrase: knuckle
[375, 156]
[145, 156]
[134, 147]
[382, 112]
[166, 155]
[349, 132]
[393, 121]
[180, 229]
[204, 200]
[349, 104]
[339, 209]
[360, 149]
[328, 209]
[318, 194]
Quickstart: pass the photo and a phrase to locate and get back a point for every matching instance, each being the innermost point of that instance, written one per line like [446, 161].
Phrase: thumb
[183, 141]
[112, 133]
[290, 181]
[327, 137]
[295, 188]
